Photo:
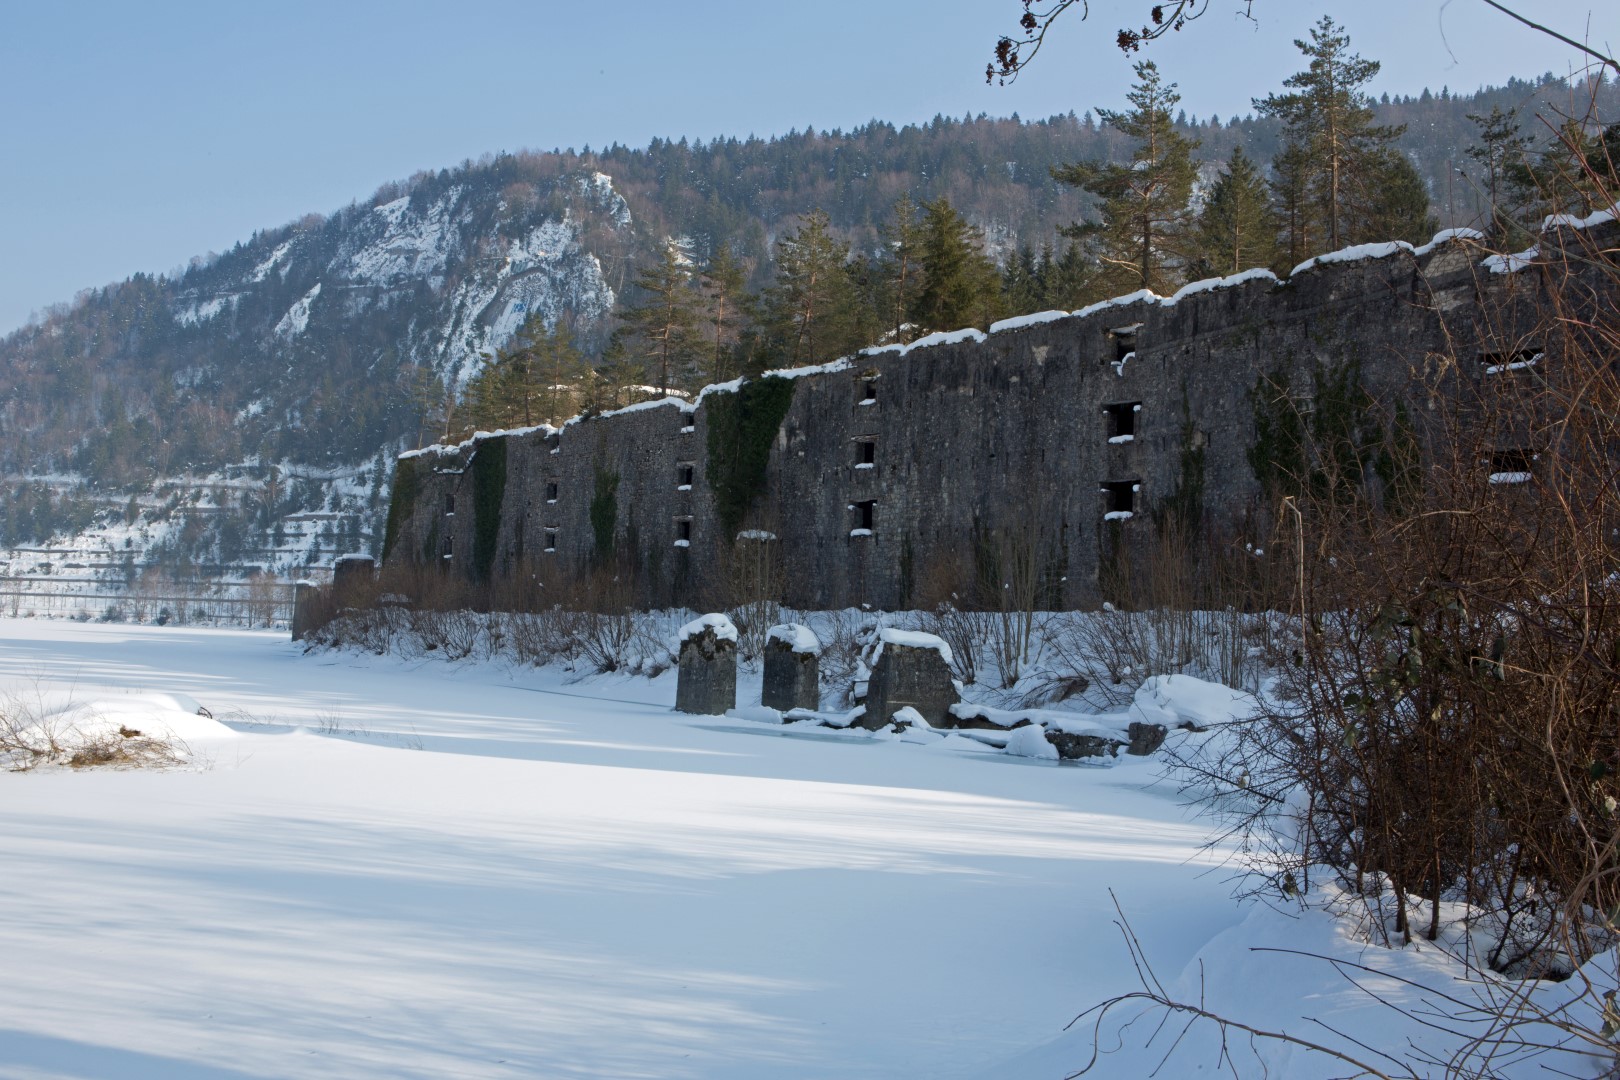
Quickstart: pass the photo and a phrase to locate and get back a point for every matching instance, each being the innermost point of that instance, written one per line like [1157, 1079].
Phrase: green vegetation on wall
[1184, 509]
[489, 491]
[1278, 454]
[605, 510]
[742, 427]
[1326, 447]
[1400, 464]
[1341, 431]
[407, 485]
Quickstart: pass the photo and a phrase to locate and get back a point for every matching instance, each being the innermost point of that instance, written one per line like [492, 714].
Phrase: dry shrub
[1196, 604]
[31, 737]
[1444, 734]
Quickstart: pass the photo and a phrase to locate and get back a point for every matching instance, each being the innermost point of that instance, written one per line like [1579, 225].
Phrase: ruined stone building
[867, 480]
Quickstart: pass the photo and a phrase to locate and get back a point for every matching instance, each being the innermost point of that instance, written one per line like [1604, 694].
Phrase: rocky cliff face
[236, 415]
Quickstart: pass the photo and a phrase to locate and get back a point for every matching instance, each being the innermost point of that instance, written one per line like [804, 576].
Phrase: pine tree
[538, 377]
[902, 238]
[1577, 172]
[1500, 153]
[1139, 239]
[725, 293]
[1330, 120]
[811, 309]
[960, 285]
[561, 374]
[1237, 231]
[1021, 283]
[1290, 190]
[660, 329]
[1399, 206]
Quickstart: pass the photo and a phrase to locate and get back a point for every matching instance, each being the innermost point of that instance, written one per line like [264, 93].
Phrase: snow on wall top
[910, 639]
[724, 629]
[799, 638]
[1142, 296]
[1519, 260]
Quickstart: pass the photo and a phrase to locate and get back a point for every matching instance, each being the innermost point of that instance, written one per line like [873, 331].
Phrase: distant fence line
[209, 603]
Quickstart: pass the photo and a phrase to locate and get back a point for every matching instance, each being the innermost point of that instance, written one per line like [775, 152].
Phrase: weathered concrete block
[910, 669]
[350, 572]
[308, 608]
[792, 668]
[708, 667]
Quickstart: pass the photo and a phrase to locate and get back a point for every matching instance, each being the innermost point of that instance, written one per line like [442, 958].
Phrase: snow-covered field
[382, 868]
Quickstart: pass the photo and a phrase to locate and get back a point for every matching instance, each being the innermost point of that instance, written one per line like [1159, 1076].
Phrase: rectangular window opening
[865, 517]
[449, 504]
[449, 546]
[1119, 499]
[551, 491]
[866, 452]
[1515, 466]
[683, 532]
[1121, 418]
[684, 472]
[551, 541]
[868, 390]
[1124, 341]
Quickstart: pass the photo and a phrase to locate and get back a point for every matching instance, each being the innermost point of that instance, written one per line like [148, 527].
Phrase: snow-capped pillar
[351, 574]
[911, 669]
[708, 667]
[792, 668]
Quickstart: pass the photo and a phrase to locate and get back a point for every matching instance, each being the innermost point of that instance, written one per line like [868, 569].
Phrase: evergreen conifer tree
[660, 329]
[1329, 119]
[1398, 208]
[1290, 191]
[811, 309]
[902, 237]
[1237, 231]
[960, 285]
[725, 292]
[1139, 239]
[1500, 155]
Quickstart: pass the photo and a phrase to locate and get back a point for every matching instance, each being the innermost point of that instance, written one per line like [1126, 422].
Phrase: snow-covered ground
[389, 868]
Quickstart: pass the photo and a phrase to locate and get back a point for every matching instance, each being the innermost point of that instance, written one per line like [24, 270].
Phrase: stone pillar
[306, 602]
[708, 667]
[910, 669]
[350, 574]
[792, 669]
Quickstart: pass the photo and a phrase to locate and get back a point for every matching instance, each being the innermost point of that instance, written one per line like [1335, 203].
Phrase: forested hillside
[243, 412]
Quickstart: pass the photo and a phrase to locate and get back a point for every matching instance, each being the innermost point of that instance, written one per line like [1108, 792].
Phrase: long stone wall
[897, 462]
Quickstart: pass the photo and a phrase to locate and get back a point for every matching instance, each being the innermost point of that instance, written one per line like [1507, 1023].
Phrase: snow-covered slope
[241, 414]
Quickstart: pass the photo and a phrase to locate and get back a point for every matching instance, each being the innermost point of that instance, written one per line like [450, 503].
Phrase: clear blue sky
[133, 136]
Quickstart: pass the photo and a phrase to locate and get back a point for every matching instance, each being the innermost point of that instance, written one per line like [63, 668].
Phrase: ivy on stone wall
[407, 485]
[1346, 443]
[742, 427]
[1400, 464]
[605, 511]
[1325, 446]
[1185, 506]
[1278, 454]
[489, 492]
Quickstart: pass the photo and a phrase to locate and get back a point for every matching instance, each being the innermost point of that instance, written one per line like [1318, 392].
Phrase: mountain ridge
[201, 419]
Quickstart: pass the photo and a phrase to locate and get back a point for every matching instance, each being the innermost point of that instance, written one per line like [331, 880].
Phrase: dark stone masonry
[792, 669]
[889, 469]
[911, 670]
[707, 676]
